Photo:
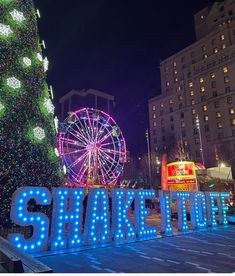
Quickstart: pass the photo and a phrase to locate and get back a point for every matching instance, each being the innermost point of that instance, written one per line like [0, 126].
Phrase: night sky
[116, 47]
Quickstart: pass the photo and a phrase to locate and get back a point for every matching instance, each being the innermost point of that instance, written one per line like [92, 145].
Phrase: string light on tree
[57, 152]
[17, 16]
[49, 106]
[27, 61]
[39, 133]
[14, 83]
[5, 30]
[39, 56]
[1, 106]
[45, 64]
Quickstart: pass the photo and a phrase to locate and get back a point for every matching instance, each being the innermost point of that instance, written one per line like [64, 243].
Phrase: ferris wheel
[92, 148]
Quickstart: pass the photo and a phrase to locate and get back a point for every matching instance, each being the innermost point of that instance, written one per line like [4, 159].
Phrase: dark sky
[115, 46]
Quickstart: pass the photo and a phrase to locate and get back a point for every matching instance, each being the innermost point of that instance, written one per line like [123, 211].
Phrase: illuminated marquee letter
[212, 208]
[97, 225]
[141, 213]
[122, 227]
[182, 210]
[39, 221]
[166, 224]
[198, 210]
[223, 208]
[67, 212]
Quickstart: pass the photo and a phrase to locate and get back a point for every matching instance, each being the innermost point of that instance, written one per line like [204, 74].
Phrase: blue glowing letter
[122, 227]
[97, 225]
[143, 230]
[67, 212]
[212, 208]
[223, 208]
[198, 210]
[39, 221]
[182, 210]
[166, 224]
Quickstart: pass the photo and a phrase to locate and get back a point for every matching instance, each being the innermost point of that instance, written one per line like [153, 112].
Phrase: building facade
[92, 98]
[197, 101]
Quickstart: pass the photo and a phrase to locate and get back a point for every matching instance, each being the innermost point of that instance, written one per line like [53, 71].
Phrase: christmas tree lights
[27, 136]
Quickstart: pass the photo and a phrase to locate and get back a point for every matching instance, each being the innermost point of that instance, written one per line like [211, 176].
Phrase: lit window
[229, 100]
[191, 93]
[192, 102]
[179, 88]
[206, 118]
[219, 125]
[154, 124]
[233, 122]
[190, 85]
[180, 98]
[202, 89]
[205, 56]
[226, 79]
[201, 80]
[176, 79]
[182, 124]
[215, 50]
[218, 114]
[223, 46]
[202, 17]
[161, 105]
[174, 64]
[205, 108]
[231, 111]
[212, 75]
[171, 101]
[222, 37]
[203, 48]
[175, 72]
[225, 69]
[193, 111]
[154, 116]
[154, 107]
[167, 83]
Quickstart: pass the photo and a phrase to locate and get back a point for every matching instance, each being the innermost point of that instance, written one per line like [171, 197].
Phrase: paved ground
[212, 250]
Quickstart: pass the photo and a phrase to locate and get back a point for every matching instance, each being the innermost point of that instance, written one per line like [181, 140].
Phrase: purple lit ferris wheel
[92, 148]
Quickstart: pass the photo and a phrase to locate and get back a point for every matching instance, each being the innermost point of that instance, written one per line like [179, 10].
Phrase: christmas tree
[27, 126]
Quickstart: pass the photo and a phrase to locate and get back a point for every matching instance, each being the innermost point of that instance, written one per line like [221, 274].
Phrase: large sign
[181, 176]
[106, 218]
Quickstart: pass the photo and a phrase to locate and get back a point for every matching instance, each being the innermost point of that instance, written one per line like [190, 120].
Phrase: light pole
[149, 158]
[200, 139]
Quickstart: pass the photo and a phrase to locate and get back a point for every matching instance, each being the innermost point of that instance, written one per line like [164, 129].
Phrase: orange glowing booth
[181, 176]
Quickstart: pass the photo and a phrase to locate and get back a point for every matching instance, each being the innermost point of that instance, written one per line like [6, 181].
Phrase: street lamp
[200, 138]
[149, 157]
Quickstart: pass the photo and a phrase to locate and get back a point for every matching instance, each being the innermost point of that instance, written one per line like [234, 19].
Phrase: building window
[222, 37]
[179, 88]
[202, 89]
[231, 111]
[229, 100]
[203, 48]
[175, 72]
[215, 50]
[227, 89]
[183, 133]
[213, 42]
[167, 84]
[162, 122]
[226, 79]
[197, 152]
[208, 138]
[223, 46]
[216, 104]
[161, 105]
[154, 108]
[163, 138]
[219, 125]
[205, 56]
[197, 141]
[207, 128]
[192, 102]
[233, 122]
[180, 106]
[190, 85]
[195, 131]
[176, 80]
[203, 98]
[206, 118]
[154, 124]
[180, 98]
[163, 129]
[174, 64]
[172, 119]
[215, 94]
[212, 74]
[218, 114]
[182, 124]
[193, 111]
[161, 112]
[189, 75]
[182, 115]
[154, 116]
[220, 135]
[171, 109]
[172, 127]
[204, 108]
[213, 84]
[170, 101]
[201, 80]
[225, 69]
[191, 93]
